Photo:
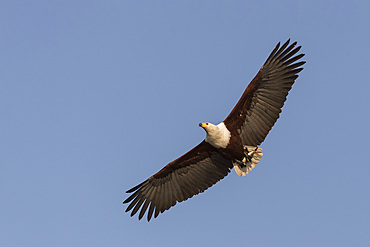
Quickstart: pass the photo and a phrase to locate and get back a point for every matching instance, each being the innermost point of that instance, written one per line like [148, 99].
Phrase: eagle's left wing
[260, 105]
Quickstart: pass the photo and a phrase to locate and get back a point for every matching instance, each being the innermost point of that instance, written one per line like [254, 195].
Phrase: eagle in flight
[232, 143]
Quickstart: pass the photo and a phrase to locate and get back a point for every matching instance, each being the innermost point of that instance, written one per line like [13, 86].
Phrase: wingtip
[135, 188]
[140, 216]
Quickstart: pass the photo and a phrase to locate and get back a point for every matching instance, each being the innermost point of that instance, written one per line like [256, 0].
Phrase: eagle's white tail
[243, 168]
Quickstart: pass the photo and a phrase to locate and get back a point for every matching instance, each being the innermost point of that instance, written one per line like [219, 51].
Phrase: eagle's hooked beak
[203, 125]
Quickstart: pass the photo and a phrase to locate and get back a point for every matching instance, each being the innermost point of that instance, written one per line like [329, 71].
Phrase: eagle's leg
[249, 155]
[252, 156]
[247, 158]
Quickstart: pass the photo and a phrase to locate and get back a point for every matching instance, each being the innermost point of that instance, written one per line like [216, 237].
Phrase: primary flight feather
[232, 143]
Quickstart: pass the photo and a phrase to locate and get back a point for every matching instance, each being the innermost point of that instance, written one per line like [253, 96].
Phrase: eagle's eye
[206, 123]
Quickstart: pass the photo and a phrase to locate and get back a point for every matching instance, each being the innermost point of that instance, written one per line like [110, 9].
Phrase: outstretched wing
[260, 105]
[189, 175]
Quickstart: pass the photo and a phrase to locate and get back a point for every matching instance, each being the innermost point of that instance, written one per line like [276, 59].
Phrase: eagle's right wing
[189, 175]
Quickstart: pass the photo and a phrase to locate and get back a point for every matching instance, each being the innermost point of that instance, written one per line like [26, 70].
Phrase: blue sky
[96, 96]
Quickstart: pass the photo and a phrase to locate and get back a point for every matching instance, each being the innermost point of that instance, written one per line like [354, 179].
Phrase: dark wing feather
[260, 105]
[189, 175]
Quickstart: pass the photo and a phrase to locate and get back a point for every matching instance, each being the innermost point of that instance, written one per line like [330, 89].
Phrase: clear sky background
[96, 96]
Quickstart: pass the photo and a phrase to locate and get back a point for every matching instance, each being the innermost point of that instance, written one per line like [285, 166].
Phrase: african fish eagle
[232, 143]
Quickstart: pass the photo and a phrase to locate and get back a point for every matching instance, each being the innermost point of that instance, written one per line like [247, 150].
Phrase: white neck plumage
[217, 135]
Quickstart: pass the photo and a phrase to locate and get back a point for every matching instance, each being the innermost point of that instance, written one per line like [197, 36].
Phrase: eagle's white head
[208, 127]
[217, 135]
